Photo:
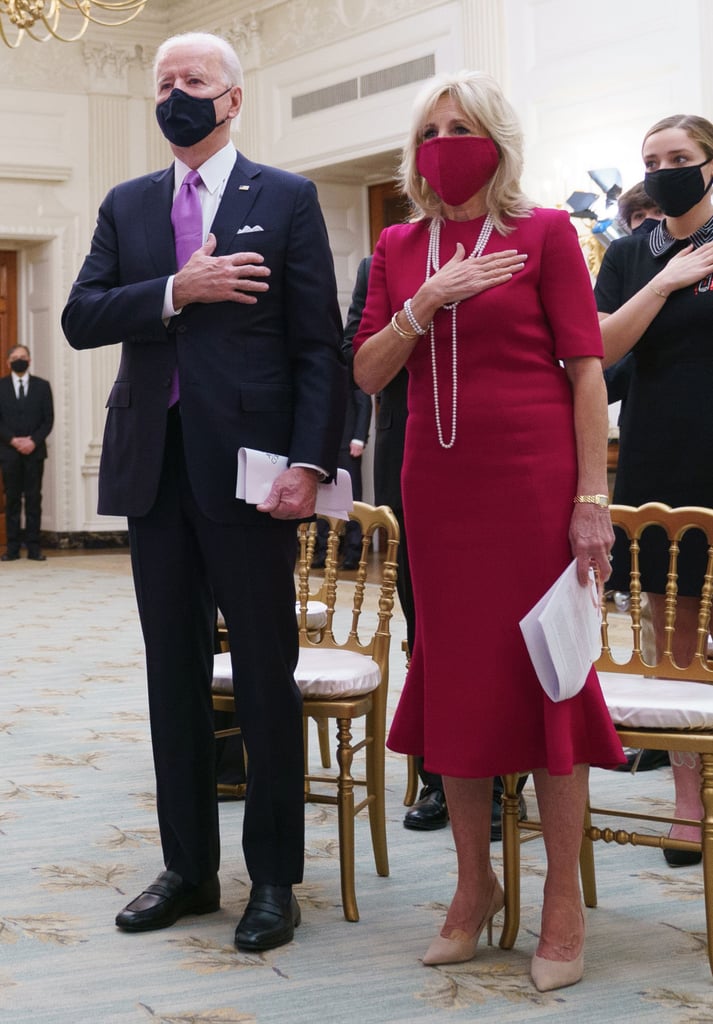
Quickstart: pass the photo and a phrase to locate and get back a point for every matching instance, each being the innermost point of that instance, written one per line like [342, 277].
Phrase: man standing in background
[26, 418]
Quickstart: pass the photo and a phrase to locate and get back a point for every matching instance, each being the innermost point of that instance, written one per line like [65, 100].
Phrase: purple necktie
[187, 220]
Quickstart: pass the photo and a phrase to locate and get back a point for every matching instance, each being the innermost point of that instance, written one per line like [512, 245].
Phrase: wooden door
[8, 336]
[387, 206]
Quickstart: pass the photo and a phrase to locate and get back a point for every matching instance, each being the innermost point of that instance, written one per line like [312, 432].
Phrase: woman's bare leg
[469, 806]
[561, 801]
[686, 767]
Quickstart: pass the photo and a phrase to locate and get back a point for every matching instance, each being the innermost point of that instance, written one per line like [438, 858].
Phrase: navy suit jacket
[269, 375]
[32, 418]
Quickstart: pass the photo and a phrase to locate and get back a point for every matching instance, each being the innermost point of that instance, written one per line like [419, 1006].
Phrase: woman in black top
[655, 299]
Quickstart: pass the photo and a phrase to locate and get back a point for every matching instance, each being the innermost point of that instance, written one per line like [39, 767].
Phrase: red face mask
[457, 166]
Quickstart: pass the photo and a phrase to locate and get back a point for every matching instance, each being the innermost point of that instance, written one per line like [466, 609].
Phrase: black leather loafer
[270, 919]
[167, 899]
[9, 556]
[429, 812]
[37, 556]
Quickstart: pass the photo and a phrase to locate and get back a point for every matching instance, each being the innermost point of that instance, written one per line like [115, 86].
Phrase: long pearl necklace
[433, 262]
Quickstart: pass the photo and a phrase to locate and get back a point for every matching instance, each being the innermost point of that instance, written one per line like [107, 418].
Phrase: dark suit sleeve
[361, 402]
[362, 418]
[356, 308]
[115, 299]
[314, 335]
[39, 434]
[6, 431]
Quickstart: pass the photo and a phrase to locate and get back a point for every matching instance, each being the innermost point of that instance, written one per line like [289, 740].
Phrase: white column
[484, 39]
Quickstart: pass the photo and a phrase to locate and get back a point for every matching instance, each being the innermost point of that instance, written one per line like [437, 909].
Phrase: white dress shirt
[214, 175]
[16, 383]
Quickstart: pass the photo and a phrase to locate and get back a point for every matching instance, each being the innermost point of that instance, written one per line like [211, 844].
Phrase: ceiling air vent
[368, 85]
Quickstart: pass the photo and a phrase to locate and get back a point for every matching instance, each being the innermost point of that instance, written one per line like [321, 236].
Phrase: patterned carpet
[78, 838]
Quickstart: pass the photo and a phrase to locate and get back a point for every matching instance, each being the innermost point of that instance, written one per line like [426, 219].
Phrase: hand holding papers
[562, 633]
[257, 471]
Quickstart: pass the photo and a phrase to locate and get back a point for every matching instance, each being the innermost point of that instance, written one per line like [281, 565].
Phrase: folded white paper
[563, 634]
[257, 470]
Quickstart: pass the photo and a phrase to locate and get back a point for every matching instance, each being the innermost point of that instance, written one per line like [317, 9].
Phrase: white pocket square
[247, 229]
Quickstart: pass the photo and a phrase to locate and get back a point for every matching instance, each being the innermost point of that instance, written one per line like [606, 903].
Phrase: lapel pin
[243, 188]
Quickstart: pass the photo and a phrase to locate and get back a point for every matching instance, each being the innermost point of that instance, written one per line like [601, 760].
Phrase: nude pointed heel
[550, 974]
[459, 946]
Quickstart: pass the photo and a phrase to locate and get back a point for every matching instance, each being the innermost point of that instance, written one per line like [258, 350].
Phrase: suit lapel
[157, 202]
[241, 191]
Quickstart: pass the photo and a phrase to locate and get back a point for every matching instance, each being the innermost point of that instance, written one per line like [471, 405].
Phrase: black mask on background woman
[677, 189]
[185, 119]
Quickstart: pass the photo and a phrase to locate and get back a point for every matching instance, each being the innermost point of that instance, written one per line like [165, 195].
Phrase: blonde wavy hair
[484, 106]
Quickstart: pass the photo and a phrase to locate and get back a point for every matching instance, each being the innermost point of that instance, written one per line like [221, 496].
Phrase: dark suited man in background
[26, 418]
[230, 335]
[351, 452]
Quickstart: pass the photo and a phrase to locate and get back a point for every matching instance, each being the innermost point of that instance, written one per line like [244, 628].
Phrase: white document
[563, 634]
[257, 471]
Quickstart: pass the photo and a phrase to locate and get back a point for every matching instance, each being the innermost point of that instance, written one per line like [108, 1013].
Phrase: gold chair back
[625, 663]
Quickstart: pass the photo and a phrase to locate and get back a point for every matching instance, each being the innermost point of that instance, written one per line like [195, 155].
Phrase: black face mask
[19, 365]
[186, 120]
[676, 190]
[646, 226]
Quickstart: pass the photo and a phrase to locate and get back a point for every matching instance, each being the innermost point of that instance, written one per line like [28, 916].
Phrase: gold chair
[661, 706]
[345, 679]
[316, 621]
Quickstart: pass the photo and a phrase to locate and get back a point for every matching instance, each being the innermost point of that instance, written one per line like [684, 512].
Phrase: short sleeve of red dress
[566, 290]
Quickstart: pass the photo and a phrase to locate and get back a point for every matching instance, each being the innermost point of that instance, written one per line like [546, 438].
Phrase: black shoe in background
[429, 812]
[496, 817]
[647, 762]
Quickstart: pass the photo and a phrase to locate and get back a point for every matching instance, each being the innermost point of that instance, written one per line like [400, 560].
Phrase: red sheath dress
[487, 520]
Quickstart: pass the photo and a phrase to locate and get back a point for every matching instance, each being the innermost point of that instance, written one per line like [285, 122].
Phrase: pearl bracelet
[412, 319]
[657, 291]
[400, 331]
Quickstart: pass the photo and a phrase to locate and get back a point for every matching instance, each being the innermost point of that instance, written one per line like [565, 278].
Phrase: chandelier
[66, 20]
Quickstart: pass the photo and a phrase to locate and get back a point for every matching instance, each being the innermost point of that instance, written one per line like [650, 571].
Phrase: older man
[216, 277]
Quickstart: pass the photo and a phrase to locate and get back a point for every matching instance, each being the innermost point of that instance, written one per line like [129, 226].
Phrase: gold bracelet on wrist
[399, 329]
[600, 500]
[657, 291]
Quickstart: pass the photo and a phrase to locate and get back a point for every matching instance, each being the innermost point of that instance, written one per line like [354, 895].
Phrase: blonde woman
[487, 301]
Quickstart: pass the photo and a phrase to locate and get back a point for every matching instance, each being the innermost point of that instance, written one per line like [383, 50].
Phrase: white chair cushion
[320, 673]
[316, 614]
[332, 674]
[642, 703]
[222, 675]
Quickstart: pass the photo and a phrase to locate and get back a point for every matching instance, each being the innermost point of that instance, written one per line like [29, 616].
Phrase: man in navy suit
[26, 418]
[248, 332]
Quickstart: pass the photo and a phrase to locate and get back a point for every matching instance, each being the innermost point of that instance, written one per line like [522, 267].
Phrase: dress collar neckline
[661, 240]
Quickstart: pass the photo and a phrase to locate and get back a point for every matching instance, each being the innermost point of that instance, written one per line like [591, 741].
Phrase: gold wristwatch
[602, 500]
